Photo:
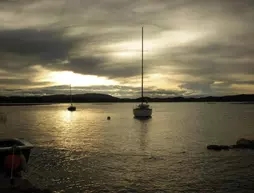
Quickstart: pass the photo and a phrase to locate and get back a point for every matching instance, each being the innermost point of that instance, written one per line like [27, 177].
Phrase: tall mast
[142, 70]
[70, 94]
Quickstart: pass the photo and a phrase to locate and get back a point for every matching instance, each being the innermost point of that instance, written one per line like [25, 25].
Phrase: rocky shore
[240, 144]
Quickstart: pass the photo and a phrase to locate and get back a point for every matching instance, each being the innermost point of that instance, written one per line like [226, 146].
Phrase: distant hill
[94, 97]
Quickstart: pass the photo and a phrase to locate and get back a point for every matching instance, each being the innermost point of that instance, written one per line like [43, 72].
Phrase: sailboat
[143, 110]
[71, 108]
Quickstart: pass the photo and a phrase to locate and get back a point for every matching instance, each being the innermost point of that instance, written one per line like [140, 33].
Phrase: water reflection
[67, 129]
[142, 118]
[67, 116]
[131, 155]
[143, 134]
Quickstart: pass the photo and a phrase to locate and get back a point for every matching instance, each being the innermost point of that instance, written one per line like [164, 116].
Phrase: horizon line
[162, 97]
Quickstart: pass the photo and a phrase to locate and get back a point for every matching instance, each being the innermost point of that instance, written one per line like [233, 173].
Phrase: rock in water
[218, 147]
[244, 141]
[240, 144]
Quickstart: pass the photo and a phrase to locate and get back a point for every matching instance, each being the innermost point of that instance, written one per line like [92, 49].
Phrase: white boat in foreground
[143, 110]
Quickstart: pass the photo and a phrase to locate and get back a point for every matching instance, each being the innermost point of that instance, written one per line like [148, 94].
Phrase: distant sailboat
[142, 110]
[71, 108]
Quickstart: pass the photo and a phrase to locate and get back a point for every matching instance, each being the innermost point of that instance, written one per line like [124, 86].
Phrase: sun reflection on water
[75, 130]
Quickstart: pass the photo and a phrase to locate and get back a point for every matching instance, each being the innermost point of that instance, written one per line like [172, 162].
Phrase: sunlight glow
[136, 46]
[61, 134]
[68, 77]
[131, 49]
[154, 45]
[150, 80]
[243, 88]
[126, 54]
[176, 38]
[218, 82]
[164, 81]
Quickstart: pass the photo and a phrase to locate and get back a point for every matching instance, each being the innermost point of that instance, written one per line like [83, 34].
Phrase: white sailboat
[71, 107]
[143, 110]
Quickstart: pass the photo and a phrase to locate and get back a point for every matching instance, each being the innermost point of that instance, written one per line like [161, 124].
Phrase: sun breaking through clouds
[191, 47]
[74, 79]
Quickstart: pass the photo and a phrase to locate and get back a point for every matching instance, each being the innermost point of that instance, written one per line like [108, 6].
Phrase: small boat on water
[7, 144]
[72, 107]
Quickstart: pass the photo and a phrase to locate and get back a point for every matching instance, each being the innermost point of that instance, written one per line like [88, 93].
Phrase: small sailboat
[143, 110]
[71, 108]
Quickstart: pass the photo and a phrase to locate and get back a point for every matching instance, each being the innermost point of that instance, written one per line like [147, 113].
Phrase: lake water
[84, 152]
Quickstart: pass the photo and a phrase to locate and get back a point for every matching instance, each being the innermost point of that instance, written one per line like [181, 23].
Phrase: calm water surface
[84, 152]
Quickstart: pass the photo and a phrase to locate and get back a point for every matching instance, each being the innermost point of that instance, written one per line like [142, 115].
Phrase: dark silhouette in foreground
[240, 144]
[24, 186]
[94, 97]
[14, 164]
[14, 157]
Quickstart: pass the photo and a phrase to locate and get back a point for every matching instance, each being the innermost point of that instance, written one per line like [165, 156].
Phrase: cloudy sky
[191, 47]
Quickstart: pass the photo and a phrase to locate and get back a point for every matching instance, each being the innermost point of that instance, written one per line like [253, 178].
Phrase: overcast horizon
[191, 47]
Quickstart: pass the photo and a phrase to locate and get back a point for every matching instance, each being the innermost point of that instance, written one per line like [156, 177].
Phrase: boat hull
[6, 145]
[71, 108]
[142, 113]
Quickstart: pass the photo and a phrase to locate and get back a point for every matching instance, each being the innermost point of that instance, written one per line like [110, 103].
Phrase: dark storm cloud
[42, 46]
[15, 81]
[96, 66]
[20, 82]
[50, 32]
[46, 45]
[21, 49]
[215, 58]
[211, 88]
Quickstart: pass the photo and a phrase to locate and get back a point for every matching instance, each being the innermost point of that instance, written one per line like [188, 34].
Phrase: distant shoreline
[38, 104]
[25, 104]
[104, 98]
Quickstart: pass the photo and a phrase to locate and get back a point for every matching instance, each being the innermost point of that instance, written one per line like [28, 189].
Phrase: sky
[191, 47]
